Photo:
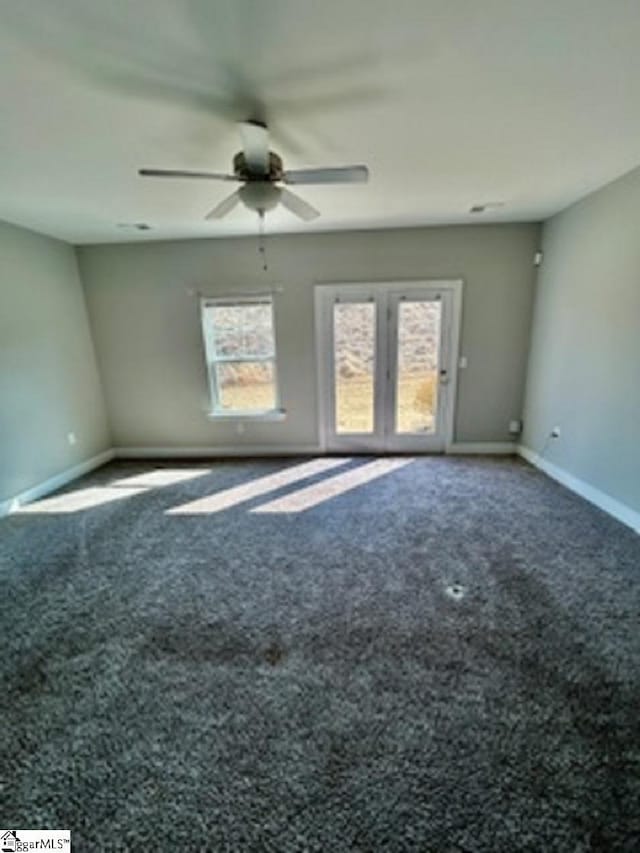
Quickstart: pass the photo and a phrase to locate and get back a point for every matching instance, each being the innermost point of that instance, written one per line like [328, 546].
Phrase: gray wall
[148, 341]
[49, 382]
[584, 369]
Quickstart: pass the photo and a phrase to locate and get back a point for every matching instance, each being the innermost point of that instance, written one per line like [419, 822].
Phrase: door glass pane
[354, 335]
[246, 386]
[417, 377]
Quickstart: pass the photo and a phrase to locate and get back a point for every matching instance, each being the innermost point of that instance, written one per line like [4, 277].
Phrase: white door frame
[453, 289]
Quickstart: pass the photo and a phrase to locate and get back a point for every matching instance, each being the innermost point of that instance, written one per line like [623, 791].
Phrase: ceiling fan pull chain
[262, 249]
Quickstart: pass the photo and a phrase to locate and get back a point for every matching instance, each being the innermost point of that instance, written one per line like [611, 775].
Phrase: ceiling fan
[261, 173]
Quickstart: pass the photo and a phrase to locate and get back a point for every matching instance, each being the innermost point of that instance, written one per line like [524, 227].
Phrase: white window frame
[217, 412]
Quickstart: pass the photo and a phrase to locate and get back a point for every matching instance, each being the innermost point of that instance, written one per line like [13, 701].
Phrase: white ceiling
[449, 102]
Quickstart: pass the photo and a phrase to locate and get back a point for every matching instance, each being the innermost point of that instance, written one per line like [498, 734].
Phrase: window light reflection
[246, 491]
[310, 496]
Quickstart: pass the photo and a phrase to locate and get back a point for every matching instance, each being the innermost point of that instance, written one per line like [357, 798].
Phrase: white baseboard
[215, 451]
[610, 505]
[489, 448]
[55, 482]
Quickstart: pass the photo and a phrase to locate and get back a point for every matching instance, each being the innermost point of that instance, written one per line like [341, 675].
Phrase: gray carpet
[445, 658]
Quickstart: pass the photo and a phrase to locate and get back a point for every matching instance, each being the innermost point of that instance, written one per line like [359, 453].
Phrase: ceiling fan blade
[298, 206]
[337, 175]
[225, 206]
[179, 173]
[255, 144]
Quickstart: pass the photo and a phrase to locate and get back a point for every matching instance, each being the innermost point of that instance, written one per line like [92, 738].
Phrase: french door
[387, 358]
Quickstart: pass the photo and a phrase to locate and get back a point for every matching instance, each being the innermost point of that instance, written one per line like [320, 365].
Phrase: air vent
[135, 226]
[487, 205]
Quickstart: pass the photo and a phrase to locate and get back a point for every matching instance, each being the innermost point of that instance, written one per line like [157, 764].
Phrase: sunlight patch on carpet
[246, 491]
[313, 495]
[161, 477]
[80, 499]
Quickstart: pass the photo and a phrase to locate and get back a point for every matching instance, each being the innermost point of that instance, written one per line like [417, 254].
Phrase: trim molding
[605, 502]
[214, 451]
[487, 448]
[56, 482]
[590, 493]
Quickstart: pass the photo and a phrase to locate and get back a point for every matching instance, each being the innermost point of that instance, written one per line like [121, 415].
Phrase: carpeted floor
[445, 657]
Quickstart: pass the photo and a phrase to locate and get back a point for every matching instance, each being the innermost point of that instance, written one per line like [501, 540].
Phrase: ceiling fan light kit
[261, 171]
[260, 196]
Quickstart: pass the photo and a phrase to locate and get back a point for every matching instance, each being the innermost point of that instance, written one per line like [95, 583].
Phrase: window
[241, 356]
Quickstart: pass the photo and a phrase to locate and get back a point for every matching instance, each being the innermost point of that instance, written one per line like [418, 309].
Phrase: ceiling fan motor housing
[241, 169]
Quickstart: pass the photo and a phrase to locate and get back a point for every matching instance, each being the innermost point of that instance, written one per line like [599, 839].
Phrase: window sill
[271, 415]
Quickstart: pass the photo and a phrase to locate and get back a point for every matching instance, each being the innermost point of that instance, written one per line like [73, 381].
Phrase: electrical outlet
[462, 363]
[71, 438]
[515, 427]
[555, 432]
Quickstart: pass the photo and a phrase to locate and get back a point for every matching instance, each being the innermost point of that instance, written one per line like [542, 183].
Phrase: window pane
[246, 386]
[242, 330]
[417, 379]
[354, 332]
